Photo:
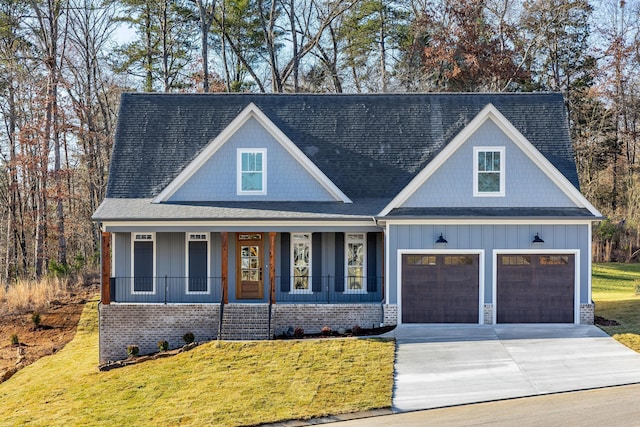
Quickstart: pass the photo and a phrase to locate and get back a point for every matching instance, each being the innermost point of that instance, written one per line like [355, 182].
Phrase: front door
[249, 261]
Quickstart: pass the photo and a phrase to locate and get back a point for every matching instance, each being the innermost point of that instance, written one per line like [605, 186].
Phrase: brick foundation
[146, 324]
[390, 314]
[312, 317]
[488, 314]
[587, 314]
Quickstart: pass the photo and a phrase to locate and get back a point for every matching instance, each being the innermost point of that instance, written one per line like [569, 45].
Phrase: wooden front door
[249, 262]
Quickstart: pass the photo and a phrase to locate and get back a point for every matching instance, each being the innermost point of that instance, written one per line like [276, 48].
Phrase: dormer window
[252, 171]
[488, 172]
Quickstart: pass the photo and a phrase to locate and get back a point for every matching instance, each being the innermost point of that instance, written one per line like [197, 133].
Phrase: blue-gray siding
[490, 238]
[170, 250]
[287, 180]
[452, 184]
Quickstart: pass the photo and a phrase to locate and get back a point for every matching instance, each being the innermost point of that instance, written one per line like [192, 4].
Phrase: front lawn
[228, 383]
[614, 293]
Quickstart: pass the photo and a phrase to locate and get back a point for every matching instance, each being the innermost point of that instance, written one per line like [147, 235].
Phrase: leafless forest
[64, 63]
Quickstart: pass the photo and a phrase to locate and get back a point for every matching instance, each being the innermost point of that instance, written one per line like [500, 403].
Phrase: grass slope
[231, 383]
[615, 297]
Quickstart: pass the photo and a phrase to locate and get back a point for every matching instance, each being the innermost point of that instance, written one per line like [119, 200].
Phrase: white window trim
[133, 240]
[292, 289]
[476, 152]
[190, 237]
[240, 152]
[347, 240]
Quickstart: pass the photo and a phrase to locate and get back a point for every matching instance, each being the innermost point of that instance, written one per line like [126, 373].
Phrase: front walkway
[444, 365]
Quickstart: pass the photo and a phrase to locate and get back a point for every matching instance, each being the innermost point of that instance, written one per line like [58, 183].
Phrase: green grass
[228, 383]
[614, 293]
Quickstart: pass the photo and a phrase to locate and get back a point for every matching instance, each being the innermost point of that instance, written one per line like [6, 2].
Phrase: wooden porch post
[272, 265]
[384, 249]
[225, 267]
[106, 267]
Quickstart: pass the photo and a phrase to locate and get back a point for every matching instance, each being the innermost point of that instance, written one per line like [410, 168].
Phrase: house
[244, 215]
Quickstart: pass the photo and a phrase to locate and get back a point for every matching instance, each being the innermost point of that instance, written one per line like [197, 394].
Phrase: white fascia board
[251, 111]
[486, 221]
[490, 112]
[239, 223]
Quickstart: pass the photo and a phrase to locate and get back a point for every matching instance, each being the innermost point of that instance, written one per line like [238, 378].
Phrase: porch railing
[316, 290]
[329, 289]
[166, 289]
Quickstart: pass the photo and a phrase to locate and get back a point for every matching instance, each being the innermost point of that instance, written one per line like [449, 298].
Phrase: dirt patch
[57, 327]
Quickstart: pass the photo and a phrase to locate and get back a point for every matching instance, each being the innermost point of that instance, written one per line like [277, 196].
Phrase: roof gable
[491, 114]
[251, 112]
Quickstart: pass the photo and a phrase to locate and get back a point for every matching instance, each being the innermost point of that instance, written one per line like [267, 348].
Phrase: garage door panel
[535, 288]
[440, 288]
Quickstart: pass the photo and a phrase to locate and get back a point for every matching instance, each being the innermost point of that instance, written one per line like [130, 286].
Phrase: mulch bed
[361, 332]
[601, 321]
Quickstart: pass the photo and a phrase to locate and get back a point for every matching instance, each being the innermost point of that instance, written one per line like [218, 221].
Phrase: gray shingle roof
[370, 146]
[114, 209]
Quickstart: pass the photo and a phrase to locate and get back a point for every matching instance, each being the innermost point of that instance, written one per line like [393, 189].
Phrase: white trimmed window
[143, 263]
[197, 263]
[488, 171]
[301, 262]
[252, 171]
[355, 262]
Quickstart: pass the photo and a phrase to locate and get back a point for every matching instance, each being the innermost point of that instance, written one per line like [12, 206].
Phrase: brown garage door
[440, 288]
[535, 288]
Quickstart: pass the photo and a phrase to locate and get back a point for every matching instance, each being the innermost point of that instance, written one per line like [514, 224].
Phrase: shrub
[58, 269]
[188, 338]
[298, 332]
[14, 339]
[163, 345]
[35, 318]
[356, 330]
[133, 350]
[326, 330]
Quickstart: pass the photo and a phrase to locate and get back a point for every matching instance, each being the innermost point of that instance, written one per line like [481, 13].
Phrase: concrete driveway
[444, 365]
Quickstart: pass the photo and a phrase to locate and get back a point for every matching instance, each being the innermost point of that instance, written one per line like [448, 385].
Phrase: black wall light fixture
[537, 239]
[441, 240]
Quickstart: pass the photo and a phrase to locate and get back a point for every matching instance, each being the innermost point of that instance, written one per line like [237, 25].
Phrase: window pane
[197, 266]
[488, 182]
[257, 162]
[143, 266]
[301, 260]
[482, 161]
[496, 161]
[355, 255]
[252, 181]
[245, 161]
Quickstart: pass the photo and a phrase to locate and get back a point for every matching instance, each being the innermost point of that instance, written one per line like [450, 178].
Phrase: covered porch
[211, 267]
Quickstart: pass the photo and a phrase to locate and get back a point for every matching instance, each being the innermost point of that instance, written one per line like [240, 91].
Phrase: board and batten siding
[170, 250]
[526, 185]
[489, 237]
[287, 180]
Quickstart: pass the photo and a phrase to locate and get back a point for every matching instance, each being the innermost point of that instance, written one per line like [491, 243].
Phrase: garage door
[535, 288]
[440, 288]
